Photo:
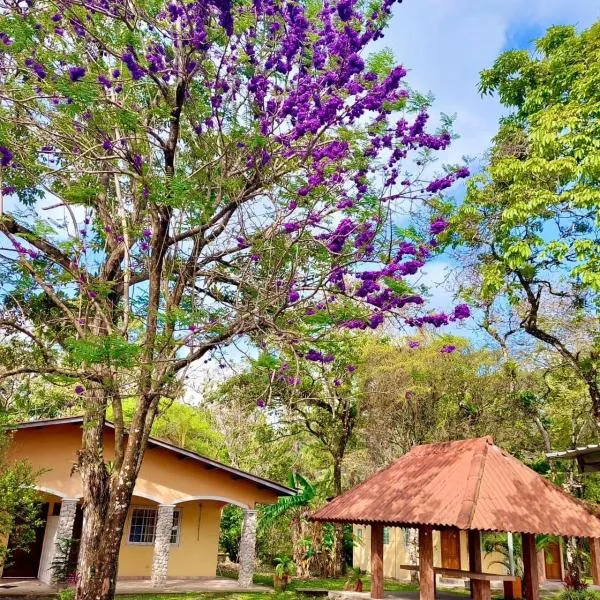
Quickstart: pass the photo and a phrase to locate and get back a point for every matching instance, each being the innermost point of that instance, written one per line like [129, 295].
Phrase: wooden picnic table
[469, 574]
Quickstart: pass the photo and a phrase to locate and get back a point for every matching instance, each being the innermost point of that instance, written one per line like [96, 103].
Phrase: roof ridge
[473, 483]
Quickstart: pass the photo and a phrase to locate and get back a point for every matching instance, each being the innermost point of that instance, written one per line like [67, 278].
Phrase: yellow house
[172, 529]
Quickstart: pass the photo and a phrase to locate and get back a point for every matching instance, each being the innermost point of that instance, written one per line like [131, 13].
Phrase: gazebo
[470, 485]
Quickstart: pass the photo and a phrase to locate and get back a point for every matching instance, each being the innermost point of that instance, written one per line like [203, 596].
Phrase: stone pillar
[376, 561]
[162, 544]
[247, 549]
[66, 518]
[54, 539]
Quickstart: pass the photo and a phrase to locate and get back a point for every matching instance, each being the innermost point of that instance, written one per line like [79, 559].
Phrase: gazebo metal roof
[468, 484]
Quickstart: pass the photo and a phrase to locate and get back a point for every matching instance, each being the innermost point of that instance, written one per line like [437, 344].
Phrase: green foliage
[67, 594]
[19, 501]
[231, 531]
[64, 564]
[284, 566]
[584, 594]
[109, 349]
[529, 222]
[184, 425]
[544, 164]
[306, 494]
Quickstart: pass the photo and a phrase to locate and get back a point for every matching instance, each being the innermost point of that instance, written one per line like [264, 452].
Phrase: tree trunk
[413, 553]
[594, 392]
[105, 505]
[338, 563]
[104, 520]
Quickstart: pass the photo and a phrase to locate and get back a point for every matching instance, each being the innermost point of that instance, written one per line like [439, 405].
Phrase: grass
[266, 579]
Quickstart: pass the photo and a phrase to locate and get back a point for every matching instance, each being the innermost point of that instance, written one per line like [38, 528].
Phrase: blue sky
[445, 44]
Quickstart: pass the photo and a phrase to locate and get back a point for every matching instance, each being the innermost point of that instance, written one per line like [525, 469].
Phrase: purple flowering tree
[179, 176]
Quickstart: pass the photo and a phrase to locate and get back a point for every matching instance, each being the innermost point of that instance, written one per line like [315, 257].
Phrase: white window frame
[177, 527]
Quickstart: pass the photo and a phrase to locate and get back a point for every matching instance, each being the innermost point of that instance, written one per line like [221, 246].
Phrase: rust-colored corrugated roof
[469, 484]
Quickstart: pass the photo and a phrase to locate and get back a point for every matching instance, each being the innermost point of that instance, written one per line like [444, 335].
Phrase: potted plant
[354, 581]
[284, 569]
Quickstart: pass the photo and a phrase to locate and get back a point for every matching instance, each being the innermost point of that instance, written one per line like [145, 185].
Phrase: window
[143, 525]
[142, 529]
[386, 535]
[359, 534]
[176, 527]
[406, 536]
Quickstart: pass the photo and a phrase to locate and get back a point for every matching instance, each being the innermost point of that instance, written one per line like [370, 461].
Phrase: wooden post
[377, 561]
[595, 560]
[531, 581]
[426, 572]
[480, 590]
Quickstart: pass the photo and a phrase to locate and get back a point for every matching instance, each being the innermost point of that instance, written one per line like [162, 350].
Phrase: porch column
[531, 580]
[426, 572]
[162, 544]
[63, 531]
[595, 560]
[377, 561]
[247, 549]
[480, 590]
[66, 518]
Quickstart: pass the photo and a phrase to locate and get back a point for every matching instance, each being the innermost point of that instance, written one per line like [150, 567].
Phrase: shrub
[580, 594]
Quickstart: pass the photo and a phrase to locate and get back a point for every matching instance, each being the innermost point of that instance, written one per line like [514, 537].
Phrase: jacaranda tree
[180, 176]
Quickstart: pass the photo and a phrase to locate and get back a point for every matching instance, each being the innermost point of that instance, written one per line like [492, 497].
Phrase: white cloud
[446, 43]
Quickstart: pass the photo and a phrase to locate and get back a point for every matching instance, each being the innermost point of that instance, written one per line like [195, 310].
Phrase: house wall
[165, 478]
[396, 553]
[194, 556]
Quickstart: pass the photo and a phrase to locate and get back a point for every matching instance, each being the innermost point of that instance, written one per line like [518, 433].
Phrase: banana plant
[306, 493]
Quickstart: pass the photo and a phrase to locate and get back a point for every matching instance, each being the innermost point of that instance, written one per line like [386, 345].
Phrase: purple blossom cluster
[6, 156]
[300, 84]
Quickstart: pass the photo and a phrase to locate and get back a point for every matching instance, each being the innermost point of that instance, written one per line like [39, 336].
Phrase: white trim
[216, 498]
[147, 497]
[47, 490]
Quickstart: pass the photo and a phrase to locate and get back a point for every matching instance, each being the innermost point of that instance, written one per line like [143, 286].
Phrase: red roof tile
[469, 484]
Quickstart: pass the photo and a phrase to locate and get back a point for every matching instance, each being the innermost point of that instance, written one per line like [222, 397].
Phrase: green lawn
[266, 579]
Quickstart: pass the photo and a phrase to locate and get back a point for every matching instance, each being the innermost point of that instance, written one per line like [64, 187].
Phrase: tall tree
[427, 390]
[530, 219]
[178, 176]
[318, 398]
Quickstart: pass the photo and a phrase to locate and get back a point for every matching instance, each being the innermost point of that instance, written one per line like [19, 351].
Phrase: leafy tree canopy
[529, 222]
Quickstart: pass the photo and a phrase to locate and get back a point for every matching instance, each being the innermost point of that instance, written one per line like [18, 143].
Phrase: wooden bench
[481, 581]
[312, 591]
[467, 574]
